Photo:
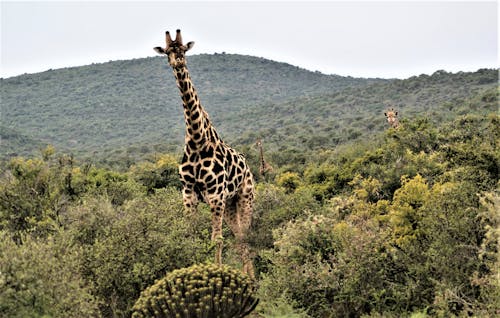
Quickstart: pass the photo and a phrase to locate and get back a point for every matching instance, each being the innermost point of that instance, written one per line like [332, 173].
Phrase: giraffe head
[392, 117]
[175, 50]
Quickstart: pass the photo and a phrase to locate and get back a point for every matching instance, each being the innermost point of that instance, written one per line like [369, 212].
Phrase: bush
[330, 268]
[40, 278]
[147, 238]
[161, 173]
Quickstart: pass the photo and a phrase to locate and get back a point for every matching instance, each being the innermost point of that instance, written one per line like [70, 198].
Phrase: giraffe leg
[239, 217]
[217, 208]
[244, 210]
[190, 200]
[233, 221]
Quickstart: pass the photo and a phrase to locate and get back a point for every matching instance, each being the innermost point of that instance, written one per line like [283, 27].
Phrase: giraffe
[392, 117]
[211, 171]
[264, 166]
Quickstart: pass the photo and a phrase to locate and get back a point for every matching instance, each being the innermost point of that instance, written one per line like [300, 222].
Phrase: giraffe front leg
[190, 201]
[217, 208]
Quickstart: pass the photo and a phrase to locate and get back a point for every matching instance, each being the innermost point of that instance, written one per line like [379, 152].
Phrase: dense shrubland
[404, 224]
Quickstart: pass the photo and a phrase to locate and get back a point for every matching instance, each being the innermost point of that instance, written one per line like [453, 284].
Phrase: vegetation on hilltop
[325, 121]
[100, 107]
[131, 108]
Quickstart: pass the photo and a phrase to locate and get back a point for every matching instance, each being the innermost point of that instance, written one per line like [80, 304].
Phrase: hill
[129, 108]
[324, 121]
[118, 104]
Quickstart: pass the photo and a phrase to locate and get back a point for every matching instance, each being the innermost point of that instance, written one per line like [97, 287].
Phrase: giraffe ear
[189, 46]
[160, 50]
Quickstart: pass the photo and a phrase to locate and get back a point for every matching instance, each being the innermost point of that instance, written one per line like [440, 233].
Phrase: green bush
[161, 173]
[145, 238]
[41, 278]
[198, 291]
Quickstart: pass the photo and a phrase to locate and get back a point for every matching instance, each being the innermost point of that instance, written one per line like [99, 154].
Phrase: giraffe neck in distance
[199, 130]
[262, 162]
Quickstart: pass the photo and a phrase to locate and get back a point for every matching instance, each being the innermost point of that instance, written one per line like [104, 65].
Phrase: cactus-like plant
[206, 290]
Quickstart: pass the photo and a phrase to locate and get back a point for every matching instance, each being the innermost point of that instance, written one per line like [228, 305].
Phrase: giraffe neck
[262, 162]
[199, 130]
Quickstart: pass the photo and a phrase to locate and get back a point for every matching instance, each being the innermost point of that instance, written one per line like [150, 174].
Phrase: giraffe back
[216, 168]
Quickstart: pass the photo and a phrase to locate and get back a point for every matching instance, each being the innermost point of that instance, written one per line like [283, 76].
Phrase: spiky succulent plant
[206, 290]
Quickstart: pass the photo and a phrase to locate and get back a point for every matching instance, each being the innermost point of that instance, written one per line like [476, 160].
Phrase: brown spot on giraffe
[211, 171]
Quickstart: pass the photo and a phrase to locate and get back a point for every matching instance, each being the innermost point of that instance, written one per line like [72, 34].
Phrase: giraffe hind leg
[239, 219]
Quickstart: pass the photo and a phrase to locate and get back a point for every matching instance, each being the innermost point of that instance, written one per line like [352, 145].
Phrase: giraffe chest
[213, 170]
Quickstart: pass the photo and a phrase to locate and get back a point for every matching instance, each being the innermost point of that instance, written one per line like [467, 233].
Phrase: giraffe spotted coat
[211, 171]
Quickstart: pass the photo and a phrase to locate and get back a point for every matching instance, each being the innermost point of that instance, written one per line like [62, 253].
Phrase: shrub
[147, 238]
[40, 278]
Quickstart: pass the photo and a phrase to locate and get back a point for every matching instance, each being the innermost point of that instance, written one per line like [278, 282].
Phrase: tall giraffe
[264, 166]
[211, 171]
[392, 117]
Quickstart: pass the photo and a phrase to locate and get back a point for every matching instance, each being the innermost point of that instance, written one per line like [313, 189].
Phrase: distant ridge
[101, 108]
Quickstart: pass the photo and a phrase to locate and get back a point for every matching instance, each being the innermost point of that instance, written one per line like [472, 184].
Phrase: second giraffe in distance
[211, 171]
[392, 117]
[264, 167]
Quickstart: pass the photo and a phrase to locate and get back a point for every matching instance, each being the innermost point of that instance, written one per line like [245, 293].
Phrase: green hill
[122, 103]
[133, 106]
[324, 121]
[15, 143]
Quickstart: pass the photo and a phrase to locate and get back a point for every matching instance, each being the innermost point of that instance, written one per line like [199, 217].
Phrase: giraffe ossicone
[211, 171]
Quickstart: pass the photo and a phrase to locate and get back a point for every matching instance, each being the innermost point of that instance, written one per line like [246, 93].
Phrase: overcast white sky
[362, 39]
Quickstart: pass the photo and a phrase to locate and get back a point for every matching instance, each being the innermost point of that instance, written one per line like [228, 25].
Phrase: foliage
[145, 239]
[357, 219]
[161, 173]
[198, 291]
[36, 192]
[33, 194]
[137, 111]
[488, 281]
[273, 208]
[418, 248]
[40, 278]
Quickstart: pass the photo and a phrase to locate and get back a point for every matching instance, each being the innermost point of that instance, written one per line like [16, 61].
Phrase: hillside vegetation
[127, 108]
[127, 103]
[355, 220]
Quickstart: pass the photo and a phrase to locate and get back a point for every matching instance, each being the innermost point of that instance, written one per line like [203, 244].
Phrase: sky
[390, 39]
